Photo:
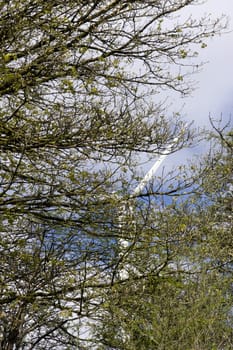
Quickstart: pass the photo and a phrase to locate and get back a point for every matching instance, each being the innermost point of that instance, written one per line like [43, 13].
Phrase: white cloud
[214, 93]
[215, 82]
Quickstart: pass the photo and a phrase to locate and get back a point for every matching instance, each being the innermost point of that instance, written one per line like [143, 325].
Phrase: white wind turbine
[124, 243]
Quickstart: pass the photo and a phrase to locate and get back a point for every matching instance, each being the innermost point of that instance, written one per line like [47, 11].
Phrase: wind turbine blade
[138, 190]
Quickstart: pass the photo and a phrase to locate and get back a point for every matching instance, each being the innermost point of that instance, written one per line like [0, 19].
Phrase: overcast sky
[214, 93]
